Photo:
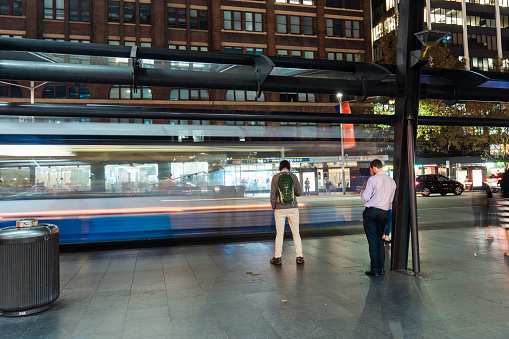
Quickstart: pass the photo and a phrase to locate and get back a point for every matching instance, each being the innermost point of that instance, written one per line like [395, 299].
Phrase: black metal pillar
[411, 16]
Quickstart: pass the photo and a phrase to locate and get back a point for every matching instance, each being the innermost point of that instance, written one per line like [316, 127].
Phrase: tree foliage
[491, 142]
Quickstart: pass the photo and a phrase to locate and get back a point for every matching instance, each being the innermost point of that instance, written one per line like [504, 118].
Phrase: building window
[113, 11]
[352, 4]
[234, 95]
[253, 22]
[199, 48]
[79, 10]
[296, 53]
[340, 56]
[145, 14]
[127, 92]
[333, 3]
[189, 94]
[352, 29]
[198, 19]
[232, 20]
[281, 24]
[10, 7]
[180, 47]
[296, 97]
[129, 13]
[234, 50]
[296, 2]
[334, 27]
[298, 25]
[244, 50]
[9, 91]
[54, 9]
[52, 91]
[176, 17]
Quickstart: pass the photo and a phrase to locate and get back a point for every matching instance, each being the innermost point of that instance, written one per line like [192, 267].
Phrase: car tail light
[416, 183]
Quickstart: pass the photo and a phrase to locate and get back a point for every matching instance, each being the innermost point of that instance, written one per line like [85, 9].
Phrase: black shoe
[299, 260]
[372, 273]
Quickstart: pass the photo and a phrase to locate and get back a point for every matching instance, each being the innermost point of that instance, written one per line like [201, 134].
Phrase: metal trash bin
[29, 267]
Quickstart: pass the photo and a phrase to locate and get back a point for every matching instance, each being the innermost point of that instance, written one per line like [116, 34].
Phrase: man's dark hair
[376, 163]
[283, 164]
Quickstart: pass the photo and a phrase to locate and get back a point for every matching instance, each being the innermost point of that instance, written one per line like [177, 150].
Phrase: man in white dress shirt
[378, 194]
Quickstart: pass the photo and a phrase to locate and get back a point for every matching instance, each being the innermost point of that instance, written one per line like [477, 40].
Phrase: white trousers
[293, 220]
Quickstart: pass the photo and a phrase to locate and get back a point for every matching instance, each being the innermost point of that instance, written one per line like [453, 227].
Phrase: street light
[339, 96]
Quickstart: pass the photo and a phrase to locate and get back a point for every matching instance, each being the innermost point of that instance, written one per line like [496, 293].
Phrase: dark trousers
[374, 224]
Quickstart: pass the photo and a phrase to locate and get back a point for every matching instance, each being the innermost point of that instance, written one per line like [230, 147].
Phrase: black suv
[434, 183]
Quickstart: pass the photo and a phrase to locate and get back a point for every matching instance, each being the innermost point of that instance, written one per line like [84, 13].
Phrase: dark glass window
[113, 11]
[53, 91]
[79, 10]
[198, 19]
[10, 91]
[352, 4]
[176, 17]
[129, 12]
[11, 7]
[333, 3]
[145, 14]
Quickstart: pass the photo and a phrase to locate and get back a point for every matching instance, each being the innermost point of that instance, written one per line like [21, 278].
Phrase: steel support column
[405, 127]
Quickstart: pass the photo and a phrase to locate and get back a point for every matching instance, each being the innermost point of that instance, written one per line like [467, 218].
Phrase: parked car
[494, 181]
[434, 183]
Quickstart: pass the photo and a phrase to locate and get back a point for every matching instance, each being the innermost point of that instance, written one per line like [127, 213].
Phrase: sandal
[506, 254]
[489, 236]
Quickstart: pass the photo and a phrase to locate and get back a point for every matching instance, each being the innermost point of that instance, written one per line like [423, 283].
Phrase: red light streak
[129, 211]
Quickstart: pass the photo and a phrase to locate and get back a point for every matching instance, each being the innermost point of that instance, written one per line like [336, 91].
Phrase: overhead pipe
[144, 112]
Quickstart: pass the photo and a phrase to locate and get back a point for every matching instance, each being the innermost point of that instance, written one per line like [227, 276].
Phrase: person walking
[503, 210]
[378, 195]
[284, 189]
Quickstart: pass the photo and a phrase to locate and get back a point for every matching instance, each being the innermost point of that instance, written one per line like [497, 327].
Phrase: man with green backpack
[284, 189]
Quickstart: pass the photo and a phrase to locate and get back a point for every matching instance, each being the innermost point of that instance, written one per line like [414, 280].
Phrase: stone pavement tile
[100, 325]
[205, 326]
[293, 321]
[150, 299]
[148, 327]
[14, 327]
[109, 335]
[142, 313]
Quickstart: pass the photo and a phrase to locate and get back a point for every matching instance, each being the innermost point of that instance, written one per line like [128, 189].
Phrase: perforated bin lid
[41, 230]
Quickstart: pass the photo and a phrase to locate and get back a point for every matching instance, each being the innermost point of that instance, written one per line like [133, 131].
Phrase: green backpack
[286, 192]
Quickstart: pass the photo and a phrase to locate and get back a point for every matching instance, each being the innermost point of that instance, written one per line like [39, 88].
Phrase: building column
[405, 128]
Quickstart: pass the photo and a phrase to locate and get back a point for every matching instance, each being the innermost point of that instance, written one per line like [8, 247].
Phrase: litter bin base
[27, 312]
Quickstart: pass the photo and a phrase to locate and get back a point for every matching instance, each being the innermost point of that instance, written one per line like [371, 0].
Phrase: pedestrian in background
[503, 210]
[284, 190]
[378, 194]
[480, 202]
[307, 186]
